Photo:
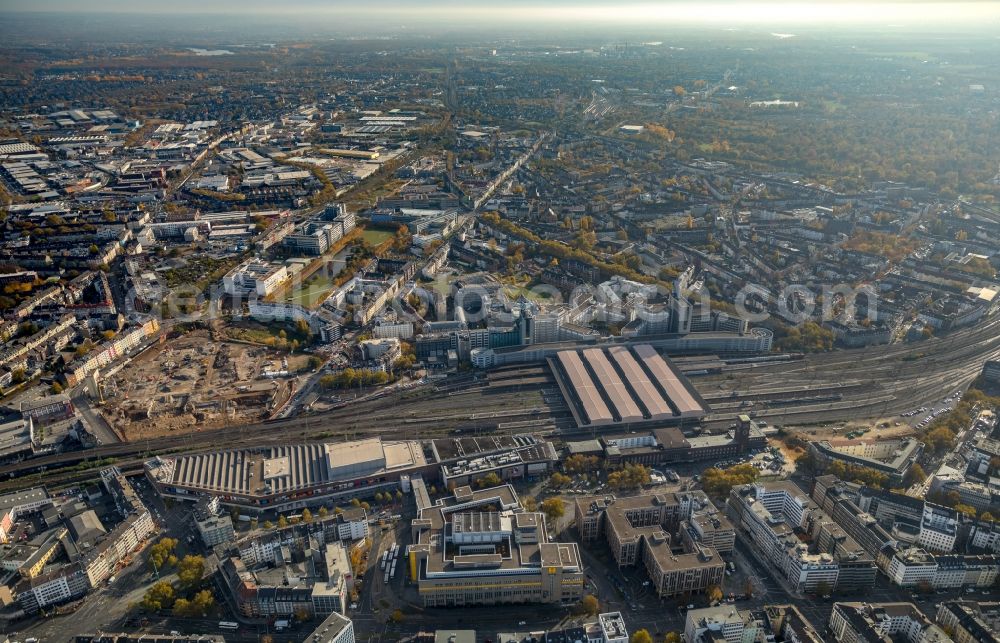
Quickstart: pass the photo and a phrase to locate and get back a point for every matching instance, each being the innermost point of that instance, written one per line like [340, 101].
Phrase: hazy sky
[821, 12]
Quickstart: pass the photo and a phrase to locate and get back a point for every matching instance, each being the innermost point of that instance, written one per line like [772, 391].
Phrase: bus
[228, 625]
[385, 579]
[385, 558]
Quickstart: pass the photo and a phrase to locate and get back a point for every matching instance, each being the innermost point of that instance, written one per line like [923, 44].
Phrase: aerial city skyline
[328, 322]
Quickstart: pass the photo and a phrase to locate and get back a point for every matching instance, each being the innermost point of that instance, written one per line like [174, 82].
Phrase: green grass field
[311, 293]
[376, 236]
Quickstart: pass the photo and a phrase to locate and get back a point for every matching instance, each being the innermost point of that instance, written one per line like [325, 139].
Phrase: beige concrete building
[638, 530]
[482, 548]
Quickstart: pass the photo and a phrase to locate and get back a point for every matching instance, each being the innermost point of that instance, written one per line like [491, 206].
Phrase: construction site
[193, 384]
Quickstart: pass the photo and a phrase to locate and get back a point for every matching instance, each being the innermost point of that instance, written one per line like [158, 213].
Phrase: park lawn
[313, 291]
[377, 236]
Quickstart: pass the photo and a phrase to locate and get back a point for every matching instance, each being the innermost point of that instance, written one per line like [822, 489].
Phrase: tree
[631, 476]
[57, 388]
[965, 510]
[282, 522]
[379, 497]
[191, 570]
[580, 463]
[307, 515]
[204, 600]
[559, 480]
[399, 495]
[184, 607]
[987, 517]
[529, 503]
[268, 524]
[491, 479]
[915, 475]
[672, 637]
[158, 597]
[713, 593]
[553, 508]
[397, 616]
[939, 439]
[323, 512]
[589, 605]
[159, 553]
[641, 636]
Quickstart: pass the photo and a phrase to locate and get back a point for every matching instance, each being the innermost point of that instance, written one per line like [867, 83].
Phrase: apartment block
[970, 621]
[880, 622]
[779, 520]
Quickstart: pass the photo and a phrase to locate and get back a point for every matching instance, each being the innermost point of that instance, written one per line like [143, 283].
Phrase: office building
[638, 530]
[893, 457]
[335, 628]
[482, 548]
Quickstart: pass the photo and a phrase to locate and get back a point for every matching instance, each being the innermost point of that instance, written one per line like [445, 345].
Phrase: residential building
[777, 516]
[970, 621]
[883, 623]
[214, 527]
[938, 528]
[352, 524]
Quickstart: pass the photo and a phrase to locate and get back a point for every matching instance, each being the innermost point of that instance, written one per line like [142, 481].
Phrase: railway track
[891, 379]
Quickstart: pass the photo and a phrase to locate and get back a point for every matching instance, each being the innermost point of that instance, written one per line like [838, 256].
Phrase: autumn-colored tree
[915, 475]
[966, 510]
[191, 570]
[553, 508]
[641, 636]
[159, 596]
[559, 480]
[589, 605]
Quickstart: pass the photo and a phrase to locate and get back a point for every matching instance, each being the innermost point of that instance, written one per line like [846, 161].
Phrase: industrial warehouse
[623, 385]
[285, 477]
